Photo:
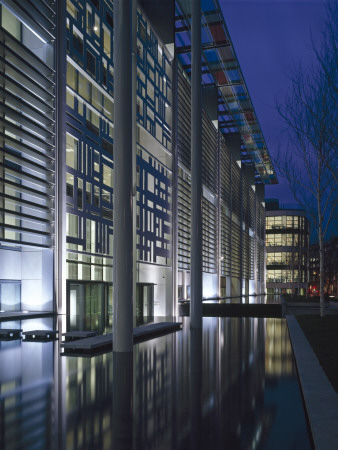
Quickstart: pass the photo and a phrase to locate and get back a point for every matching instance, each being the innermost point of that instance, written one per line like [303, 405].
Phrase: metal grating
[209, 237]
[184, 219]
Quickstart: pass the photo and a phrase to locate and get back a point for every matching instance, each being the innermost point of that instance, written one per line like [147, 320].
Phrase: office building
[287, 247]
[57, 159]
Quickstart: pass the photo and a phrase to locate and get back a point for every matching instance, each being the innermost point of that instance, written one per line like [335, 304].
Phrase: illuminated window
[94, 119]
[106, 41]
[97, 98]
[71, 151]
[107, 175]
[70, 99]
[72, 225]
[71, 76]
[97, 25]
[85, 87]
[89, 20]
[96, 161]
[72, 10]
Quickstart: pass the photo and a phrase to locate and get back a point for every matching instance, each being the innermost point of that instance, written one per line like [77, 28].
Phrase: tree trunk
[321, 266]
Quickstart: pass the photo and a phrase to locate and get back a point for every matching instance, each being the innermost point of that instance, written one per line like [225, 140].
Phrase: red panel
[220, 77]
[249, 117]
[217, 33]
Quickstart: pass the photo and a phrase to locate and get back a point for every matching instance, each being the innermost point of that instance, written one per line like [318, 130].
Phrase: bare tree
[309, 160]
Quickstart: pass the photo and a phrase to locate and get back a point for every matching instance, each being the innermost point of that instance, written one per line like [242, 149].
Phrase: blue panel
[154, 207]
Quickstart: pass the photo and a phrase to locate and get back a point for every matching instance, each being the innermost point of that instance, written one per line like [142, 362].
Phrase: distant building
[287, 241]
[330, 267]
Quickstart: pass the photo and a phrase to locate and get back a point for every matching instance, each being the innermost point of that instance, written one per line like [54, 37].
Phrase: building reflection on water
[231, 386]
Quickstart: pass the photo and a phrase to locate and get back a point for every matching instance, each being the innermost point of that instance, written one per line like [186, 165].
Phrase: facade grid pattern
[57, 164]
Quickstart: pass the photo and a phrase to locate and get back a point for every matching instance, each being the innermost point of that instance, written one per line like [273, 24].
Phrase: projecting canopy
[220, 68]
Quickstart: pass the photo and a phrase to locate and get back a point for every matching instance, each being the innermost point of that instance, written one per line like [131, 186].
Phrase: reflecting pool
[232, 386]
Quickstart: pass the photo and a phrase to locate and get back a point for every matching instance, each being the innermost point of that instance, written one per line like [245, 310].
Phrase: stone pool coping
[321, 400]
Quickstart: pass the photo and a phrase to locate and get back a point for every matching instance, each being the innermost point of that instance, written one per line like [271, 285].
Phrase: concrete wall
[161, 276]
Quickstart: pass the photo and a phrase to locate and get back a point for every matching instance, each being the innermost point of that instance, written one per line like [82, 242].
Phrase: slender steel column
[60, 163]
[123, 219]
[134, 138]
[196, 167]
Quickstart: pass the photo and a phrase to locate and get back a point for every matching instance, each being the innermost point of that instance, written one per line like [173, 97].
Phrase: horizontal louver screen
[27, 139]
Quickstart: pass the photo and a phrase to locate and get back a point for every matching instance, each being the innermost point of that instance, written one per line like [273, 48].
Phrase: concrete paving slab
[320, 398]
[105, 342]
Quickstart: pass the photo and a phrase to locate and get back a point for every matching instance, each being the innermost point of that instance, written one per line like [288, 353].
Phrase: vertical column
[219, 215]
[260, 191]
[134, 143]
[175, 191]
[241, 252]
[123, 152]
[60, 162]
[196, 167]
[2, 149]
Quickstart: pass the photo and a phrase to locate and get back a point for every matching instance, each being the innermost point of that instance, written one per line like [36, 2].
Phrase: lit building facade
[57, 160]
[287, 248]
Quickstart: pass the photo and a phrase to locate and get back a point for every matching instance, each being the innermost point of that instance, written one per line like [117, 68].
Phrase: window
[107, 175]
[71, 76]
[69, 184]
[96, 161]
[97, 25]
[106, 41]
[88, 193]
[93, 121]
[71, 151]
[79, 193]
[70, 99]
[85, 88]
[104, 73]
[77, 41]
[91, 63]
[97, 98]
[72, 10]
[96, 196]
[89, 20]
[72, 225]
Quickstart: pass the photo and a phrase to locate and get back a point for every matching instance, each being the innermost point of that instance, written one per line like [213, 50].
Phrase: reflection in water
[232, 386]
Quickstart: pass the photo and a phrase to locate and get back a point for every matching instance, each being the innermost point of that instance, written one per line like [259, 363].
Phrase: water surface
[232, 386]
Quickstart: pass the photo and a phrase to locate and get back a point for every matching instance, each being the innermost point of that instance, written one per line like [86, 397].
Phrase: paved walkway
[321, 399]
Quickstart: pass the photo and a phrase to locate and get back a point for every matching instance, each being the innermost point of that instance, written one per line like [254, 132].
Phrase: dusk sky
[269, 37]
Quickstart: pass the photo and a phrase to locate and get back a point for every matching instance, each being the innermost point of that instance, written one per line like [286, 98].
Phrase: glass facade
[287, 238]
[57, 163]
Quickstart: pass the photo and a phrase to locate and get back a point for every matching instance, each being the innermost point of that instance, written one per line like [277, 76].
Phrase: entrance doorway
[89, 306]
[144, 303]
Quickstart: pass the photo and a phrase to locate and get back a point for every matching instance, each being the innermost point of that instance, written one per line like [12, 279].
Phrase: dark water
[233, 386]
